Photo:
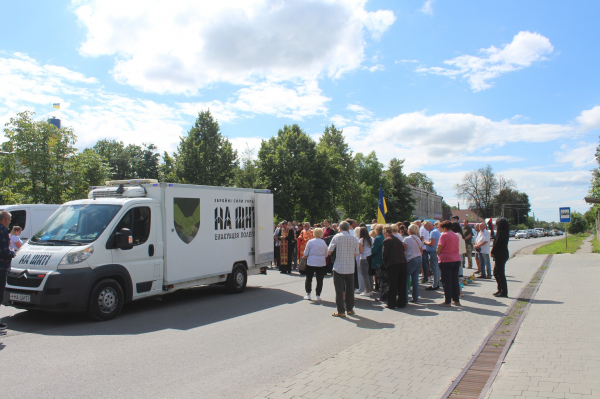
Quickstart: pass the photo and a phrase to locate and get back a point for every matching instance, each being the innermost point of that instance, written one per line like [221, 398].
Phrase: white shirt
[316, 251]
[481, 237]
[462, 248]
[413, 247]
[424, 233]
[14, 239]
[366, 248]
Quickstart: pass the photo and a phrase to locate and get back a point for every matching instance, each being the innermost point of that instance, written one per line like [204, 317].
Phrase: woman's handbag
[302, 265]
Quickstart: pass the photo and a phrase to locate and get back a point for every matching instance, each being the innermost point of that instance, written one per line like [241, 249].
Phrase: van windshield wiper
[39, 242]
[71, 242]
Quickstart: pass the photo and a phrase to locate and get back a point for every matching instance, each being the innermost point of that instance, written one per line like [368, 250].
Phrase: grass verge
[595, 245]
[558, 246]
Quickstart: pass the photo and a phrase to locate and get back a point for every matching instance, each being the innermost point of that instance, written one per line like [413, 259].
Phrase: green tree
[397, 192]
[595, 183]
[369, 172]
[338, 175]
[479, 188]
[204, 156]
[166, 170]
[578, 223]
[248, 174]
[515, 204]
[129, 162]
[94, 171]
[43, 158]
[420, 180]
[290, 167]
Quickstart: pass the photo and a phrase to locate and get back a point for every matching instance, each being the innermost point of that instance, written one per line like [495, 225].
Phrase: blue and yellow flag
[382, 208]
[56, 105]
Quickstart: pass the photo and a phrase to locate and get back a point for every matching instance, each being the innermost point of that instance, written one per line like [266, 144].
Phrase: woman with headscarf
[499, 253]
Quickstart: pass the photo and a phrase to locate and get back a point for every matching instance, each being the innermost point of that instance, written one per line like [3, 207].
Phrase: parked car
[541, 232]
[521, 234]
[511, 233]
[532, 233]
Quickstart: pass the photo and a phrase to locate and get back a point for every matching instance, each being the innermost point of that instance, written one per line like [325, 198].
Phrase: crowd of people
[390, 261]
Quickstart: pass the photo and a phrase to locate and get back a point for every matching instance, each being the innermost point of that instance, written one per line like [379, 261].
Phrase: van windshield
[75, 225]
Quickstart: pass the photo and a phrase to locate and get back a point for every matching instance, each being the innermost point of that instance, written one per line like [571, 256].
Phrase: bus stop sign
[565, 215]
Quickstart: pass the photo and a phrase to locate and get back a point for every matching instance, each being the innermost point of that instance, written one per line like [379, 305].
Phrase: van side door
[141, 259]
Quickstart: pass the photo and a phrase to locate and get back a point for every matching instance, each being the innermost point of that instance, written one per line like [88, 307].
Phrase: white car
[522, 234]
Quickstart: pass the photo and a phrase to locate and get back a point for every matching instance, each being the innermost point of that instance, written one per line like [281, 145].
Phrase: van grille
[29, 281]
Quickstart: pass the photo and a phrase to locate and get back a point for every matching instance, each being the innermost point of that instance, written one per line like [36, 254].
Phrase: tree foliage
[204, 156]
[479, 188]
[515, 204]
[129, 162]
[290, 166]
[399, 199]
[578, 223]
[420, 180]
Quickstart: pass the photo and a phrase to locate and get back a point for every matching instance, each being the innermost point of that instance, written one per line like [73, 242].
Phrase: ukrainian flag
[382, 208]
[56, 105]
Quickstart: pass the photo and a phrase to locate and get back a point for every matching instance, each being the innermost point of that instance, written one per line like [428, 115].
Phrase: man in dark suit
[394, 260]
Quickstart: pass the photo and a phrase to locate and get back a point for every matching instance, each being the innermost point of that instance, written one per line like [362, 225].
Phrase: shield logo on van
[186, 217]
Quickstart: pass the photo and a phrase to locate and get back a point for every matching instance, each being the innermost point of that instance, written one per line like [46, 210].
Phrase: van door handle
[151, 250]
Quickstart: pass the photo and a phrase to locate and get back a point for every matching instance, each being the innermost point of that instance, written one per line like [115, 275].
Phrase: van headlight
[77, 255]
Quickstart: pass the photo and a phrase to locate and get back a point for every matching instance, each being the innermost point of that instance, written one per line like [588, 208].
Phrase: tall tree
[290, 167]
[478, 188]
[42, 155]
[595, 183]
[369, 172]
[129, 162]
[398, 193]
[247, 175]
[166, 170]
[515, 204]
[204, 156]
[421, 180]
[337, 175]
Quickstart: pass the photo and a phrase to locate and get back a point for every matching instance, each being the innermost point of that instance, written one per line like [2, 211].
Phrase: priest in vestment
[286, 239]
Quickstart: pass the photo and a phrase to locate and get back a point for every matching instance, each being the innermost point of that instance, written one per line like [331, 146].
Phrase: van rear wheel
[237, 279]
[106, 300]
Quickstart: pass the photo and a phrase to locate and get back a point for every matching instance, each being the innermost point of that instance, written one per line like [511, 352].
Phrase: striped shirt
[346, 251]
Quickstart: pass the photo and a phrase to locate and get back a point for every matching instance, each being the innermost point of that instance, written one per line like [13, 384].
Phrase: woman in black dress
[499, 253]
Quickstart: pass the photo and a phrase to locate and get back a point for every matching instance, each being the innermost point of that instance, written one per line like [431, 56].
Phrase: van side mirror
[124, 239]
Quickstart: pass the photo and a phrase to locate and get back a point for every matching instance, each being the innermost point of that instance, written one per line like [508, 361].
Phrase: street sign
[565, 215]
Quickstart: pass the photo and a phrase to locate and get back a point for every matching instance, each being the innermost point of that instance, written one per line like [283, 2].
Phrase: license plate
[20, 297]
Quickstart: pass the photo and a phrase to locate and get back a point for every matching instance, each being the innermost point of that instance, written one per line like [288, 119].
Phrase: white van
[29, 217]
[135, 239]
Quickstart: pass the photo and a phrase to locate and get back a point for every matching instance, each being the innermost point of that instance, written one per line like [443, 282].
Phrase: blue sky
[449, 86]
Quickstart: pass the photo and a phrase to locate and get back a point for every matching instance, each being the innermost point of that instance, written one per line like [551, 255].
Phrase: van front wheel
[237, 279]
[106, 300]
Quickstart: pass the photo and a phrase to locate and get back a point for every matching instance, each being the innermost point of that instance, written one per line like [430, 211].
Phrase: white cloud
[182, 46]
[376, 68]
[361, 112]
[525, 49]
[240, 144]
[267, 98]
[455, 134]
[96, 114]
[589, 119]
[405, 61]
[580, 156]
[339, 120]
[427, 7]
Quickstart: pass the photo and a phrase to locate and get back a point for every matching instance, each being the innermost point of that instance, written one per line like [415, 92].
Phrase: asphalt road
[200, 342]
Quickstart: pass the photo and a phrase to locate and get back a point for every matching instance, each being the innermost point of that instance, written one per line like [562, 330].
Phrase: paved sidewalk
[418, 358]
[556, 353]
[586, 246]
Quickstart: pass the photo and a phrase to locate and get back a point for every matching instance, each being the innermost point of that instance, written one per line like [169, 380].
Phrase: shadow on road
[181, 310]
